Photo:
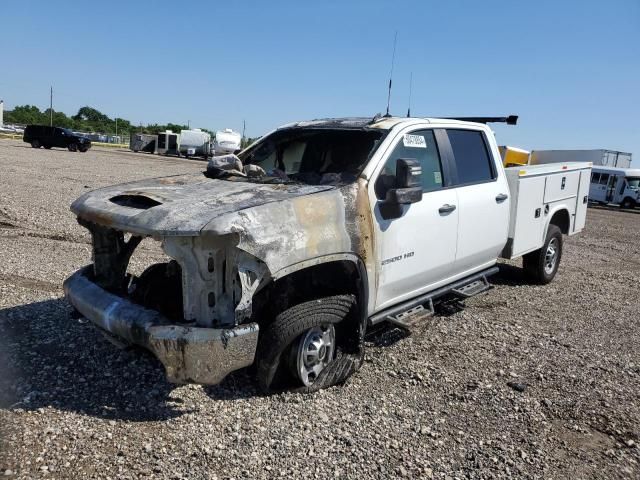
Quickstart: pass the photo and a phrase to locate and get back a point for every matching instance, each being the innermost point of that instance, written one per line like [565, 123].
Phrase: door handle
[502, 197]
[446, 208]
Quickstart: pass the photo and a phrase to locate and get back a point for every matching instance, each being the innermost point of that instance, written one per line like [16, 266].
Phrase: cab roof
[377, 122]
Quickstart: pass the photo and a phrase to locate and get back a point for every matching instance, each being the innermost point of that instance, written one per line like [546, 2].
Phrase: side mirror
[408, 185]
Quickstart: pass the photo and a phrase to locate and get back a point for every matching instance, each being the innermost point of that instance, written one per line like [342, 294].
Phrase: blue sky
[570, 69]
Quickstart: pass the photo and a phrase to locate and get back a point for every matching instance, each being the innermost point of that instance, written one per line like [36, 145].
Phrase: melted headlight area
[208, 281]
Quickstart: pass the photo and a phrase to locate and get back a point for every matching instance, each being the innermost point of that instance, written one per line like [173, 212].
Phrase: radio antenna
[410, 84]
[393, 58]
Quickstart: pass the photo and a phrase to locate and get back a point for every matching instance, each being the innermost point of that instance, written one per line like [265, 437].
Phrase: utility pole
[116, 127]
[244, 126]
[188, 124]
[51, 107]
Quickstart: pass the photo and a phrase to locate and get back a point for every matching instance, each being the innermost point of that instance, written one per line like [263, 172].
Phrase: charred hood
[179, 205]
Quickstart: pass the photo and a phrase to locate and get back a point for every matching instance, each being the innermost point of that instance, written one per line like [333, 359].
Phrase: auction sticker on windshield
[414, 141]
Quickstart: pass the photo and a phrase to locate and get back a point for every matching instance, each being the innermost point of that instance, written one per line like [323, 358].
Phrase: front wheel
[35, 143]
[311, 353]
[73, 147]
[542, 265]
[310, 346]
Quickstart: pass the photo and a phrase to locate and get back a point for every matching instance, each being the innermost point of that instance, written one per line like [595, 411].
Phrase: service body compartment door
[561, 186]
[582, 201]
[526, 226]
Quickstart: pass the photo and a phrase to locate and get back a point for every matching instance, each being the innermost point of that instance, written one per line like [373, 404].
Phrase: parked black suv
[47, 137]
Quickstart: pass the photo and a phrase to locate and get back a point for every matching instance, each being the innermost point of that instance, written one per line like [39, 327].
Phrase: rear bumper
[189, 354]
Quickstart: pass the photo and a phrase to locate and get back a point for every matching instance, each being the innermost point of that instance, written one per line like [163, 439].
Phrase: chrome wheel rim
[315, 352]
[551, 256]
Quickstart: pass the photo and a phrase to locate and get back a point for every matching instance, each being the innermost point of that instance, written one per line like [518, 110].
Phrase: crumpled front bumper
[189, 354]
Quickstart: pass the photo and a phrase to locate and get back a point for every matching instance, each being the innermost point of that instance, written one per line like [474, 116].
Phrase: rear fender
[558, 215]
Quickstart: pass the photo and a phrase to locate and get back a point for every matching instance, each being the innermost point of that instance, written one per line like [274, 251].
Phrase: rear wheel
[35, 143]
[309, 346]
[542, 265]
[628, 203]
[73, 147]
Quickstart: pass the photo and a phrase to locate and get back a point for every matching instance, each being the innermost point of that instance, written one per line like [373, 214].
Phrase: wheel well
[561, 220]
[332, 278]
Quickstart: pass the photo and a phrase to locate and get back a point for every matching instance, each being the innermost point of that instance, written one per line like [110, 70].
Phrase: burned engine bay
[205, 281]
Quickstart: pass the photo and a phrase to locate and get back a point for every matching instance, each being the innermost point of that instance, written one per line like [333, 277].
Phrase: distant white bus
[620, 186]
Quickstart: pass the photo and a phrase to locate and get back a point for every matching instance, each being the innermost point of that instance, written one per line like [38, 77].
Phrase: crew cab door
[59, 138]
[415, 245]
[48, 136]
[483, 199]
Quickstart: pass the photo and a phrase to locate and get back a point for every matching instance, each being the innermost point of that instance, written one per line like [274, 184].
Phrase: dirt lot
[435, 403]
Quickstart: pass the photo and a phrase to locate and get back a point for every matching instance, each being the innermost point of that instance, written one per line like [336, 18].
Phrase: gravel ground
[441, 402]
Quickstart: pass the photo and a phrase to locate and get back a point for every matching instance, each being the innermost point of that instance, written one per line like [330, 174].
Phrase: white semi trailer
[598, 157]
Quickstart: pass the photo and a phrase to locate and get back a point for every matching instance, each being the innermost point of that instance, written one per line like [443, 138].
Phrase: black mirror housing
[404, 196]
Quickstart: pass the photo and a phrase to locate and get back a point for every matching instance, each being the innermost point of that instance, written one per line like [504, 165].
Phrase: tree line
[88, 119]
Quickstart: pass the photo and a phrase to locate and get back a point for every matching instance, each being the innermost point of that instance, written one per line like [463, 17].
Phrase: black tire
[73, 147]
[35, 143]
[82, 149]
[537, 265]
[628, 203]
[283, 335]
[48, 147]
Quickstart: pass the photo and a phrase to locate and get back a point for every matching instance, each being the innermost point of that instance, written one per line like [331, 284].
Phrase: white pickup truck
[347, 223]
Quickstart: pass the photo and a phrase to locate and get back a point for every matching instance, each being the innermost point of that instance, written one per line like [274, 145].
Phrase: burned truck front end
[193, 308]
[221, 241]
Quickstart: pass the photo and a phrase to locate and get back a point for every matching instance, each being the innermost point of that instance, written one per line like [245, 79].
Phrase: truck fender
[363, 287]
[558, 215]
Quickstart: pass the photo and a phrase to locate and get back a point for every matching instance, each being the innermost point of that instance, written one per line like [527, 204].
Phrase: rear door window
[471, 156]
[604, 178]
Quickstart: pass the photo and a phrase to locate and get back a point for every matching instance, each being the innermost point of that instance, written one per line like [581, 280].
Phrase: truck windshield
[314, 156]
[633, 182]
